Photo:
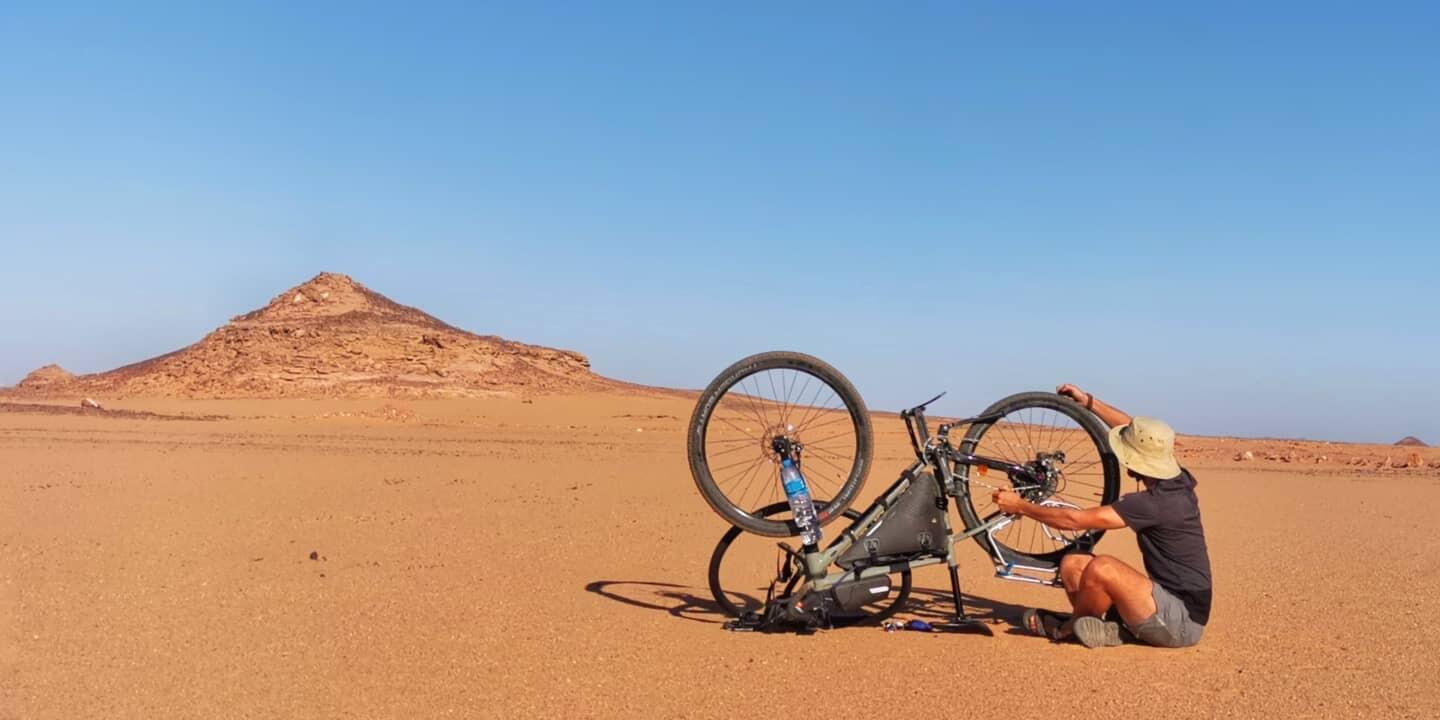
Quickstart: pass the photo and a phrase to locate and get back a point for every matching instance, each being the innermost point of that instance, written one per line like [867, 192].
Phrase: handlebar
[919, 430]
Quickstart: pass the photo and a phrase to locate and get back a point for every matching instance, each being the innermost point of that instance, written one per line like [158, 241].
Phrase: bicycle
[739, 436]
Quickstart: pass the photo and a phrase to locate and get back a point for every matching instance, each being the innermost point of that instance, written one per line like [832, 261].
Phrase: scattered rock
[433, 341]
[1413, 460]
[91, 403]
[1244, 456]
[314, 554]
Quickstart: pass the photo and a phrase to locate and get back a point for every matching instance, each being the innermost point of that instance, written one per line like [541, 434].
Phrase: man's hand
[1112, 416]
[1008, 501]
[1076, 394]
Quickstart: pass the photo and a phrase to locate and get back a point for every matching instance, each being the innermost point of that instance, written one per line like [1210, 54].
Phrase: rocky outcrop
[51, 378]
[333, 337]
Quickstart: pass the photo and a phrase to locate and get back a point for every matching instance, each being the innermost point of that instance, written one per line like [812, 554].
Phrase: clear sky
[1219, 213]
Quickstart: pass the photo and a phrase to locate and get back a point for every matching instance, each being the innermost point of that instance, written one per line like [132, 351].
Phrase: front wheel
[774, 396]
[1031, 425]
[739, 586]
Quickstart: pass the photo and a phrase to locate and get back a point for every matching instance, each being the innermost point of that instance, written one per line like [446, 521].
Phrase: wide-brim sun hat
[1146, 446]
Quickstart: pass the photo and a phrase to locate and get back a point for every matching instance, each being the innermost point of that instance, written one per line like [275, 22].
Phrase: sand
[496, 557]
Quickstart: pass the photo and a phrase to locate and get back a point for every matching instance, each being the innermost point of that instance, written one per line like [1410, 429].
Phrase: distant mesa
[1411, 441]
[333, 337]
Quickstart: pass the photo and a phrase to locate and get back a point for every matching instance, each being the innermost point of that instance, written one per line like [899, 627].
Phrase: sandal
[1043, 623]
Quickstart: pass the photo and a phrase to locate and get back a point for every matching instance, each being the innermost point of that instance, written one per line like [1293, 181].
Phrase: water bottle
[801, 504]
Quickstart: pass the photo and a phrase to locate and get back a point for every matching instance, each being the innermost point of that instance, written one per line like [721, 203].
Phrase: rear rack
[1025, 568]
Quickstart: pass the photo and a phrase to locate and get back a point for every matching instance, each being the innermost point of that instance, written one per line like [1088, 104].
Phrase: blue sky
[1217, 213]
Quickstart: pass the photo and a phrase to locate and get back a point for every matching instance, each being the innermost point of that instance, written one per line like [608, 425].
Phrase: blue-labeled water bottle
[802, 506]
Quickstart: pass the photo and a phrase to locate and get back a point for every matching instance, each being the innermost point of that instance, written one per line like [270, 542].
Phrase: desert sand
[546, 557]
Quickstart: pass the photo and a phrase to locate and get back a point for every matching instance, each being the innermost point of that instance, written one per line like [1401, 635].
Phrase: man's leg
[1107, 581]
[1072, 568]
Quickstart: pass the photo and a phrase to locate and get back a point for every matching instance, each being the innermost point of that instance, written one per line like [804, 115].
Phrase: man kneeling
[1171, 606]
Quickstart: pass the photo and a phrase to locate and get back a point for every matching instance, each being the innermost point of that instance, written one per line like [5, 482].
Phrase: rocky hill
[333, 337]
[45, 378]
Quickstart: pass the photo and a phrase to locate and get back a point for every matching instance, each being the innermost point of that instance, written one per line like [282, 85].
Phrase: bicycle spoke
[1021, 436]
[779, 400]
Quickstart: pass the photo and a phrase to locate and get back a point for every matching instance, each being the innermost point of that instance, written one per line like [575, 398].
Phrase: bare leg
[1072, 567]
[1107, 581]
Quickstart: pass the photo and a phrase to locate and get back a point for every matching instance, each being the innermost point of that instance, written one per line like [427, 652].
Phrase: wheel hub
[775, 438]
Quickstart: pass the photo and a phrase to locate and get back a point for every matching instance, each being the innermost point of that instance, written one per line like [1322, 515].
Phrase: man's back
[1166, 520]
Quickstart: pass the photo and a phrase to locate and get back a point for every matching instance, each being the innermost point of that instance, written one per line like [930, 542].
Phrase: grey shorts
[1170, 626]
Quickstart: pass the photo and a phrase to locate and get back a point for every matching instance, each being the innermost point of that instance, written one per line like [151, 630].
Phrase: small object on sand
[314, 554]
[90, 403]
[916, 625]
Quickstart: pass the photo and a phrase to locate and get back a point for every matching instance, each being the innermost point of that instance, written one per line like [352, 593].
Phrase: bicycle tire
[843, 494]
[1013, 405]
[722, 599]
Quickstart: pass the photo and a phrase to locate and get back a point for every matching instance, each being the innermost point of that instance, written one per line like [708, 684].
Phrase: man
[1171, 606]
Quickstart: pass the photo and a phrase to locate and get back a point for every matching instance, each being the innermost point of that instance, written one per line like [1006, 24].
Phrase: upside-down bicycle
[784, 406]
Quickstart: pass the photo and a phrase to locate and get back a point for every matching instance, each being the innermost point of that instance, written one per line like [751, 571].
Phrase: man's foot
[1092, 632]
[1043, 623]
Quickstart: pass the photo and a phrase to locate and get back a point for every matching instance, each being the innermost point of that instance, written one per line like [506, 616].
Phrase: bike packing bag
[915, 523]
[853, 594]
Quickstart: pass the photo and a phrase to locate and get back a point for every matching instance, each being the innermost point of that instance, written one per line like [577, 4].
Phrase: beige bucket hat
[1146, 446]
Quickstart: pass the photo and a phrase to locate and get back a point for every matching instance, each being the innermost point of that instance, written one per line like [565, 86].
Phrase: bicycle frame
[938, 455]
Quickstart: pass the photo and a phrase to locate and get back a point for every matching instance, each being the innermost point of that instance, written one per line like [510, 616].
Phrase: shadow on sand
[696, 605]
[680, 601]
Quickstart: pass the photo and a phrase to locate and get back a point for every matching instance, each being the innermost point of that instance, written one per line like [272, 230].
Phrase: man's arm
[1112, 416]
[1096, 518]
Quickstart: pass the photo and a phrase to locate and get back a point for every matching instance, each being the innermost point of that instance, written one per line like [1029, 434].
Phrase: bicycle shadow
[694, 604]
[678, 600]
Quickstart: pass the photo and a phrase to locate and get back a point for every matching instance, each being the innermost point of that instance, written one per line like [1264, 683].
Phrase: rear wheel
[740, 585]
[777, 395]
[1032, 424]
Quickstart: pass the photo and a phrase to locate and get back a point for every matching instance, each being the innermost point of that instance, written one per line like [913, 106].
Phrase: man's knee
[1102, 570]
[1072, 568]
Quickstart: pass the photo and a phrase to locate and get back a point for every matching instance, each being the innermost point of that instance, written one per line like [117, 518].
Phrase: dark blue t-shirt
[1166, 521]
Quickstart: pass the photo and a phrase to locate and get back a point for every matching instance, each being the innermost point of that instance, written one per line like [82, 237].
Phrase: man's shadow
[696, 605]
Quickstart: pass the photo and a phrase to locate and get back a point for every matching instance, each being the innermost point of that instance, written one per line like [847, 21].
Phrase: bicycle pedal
[749, 622]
